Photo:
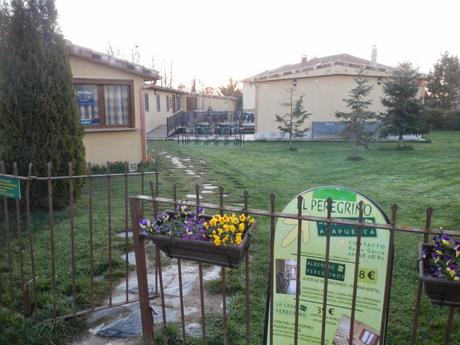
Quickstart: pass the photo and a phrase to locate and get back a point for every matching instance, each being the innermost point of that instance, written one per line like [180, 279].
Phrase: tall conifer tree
[404, 113]
[443, 83]
[39, 122]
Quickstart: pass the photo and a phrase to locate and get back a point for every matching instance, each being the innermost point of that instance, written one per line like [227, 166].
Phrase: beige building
[214, 103]
[110, 102]
[324, 83]
[159, 103]
[162, 102]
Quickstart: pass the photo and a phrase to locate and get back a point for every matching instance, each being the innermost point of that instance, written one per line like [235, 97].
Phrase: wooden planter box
[441, 292]
[203, 251]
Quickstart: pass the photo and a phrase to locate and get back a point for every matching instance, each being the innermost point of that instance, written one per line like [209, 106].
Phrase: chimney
[374, 55]
[304, 59]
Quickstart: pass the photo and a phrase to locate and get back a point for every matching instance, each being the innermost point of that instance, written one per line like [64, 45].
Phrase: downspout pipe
[143, 135]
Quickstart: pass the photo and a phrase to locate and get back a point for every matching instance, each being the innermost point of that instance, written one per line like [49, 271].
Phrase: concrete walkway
[157, 133]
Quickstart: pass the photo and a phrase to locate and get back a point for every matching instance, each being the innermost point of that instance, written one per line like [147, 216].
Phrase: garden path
[122, 325]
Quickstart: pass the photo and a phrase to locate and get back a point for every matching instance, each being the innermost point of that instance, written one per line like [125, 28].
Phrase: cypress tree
[39, 122]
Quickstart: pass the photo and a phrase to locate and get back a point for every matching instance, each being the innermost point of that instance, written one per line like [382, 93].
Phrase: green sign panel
[10, 187]
[372, 282]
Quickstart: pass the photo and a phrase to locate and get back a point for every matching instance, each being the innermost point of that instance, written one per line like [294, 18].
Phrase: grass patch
[355, 158]
[415, 180]
[15, 330]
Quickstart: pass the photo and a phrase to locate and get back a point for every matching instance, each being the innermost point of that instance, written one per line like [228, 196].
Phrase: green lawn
[427, 176]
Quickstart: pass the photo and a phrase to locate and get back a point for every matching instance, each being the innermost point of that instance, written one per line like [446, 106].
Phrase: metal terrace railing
[182, 122]
[138, 205]
[174, 122]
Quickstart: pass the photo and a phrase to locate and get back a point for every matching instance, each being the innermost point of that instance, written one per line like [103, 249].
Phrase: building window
[177, 103]
[158, 103]
[105, 103]
[167, 102]
[146, 102]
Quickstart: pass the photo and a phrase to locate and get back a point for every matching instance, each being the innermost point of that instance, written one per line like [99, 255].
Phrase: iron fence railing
[25, 277]
[97, 223]
[175, 121]
[180, 121]
[137, 205]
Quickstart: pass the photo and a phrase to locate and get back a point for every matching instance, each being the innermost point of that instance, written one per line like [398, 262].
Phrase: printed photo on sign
[362, 333]
[286, 276]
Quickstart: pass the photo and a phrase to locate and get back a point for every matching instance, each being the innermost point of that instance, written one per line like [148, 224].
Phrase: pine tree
[39, 122]
[404, 113]
[356, 119]
[443, 83]
[291, 121]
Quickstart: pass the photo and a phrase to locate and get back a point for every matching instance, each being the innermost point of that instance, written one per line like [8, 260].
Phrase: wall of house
[155, 118]
[249, 97]
[111, 144]
[323, 97]
[215, 103]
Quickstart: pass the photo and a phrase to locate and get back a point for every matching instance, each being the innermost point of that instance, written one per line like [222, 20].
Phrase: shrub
[443, 119]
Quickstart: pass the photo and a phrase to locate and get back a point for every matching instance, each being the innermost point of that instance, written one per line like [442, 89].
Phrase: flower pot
[441, 291]
[230, 255]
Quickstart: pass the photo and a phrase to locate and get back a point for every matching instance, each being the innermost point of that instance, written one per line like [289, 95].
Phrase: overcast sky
[214, 40]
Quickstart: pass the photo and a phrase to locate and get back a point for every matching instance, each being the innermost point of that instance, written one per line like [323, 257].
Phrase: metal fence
[60, 263]
[138, 205]
[28, 276]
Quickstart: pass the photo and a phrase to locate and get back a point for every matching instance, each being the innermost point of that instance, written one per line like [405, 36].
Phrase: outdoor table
[225, 128]
[202, 128]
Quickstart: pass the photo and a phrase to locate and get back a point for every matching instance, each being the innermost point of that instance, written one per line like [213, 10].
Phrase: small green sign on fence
[10, 187]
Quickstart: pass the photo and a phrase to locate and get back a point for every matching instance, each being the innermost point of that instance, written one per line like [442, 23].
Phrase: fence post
[429, 213]
[389, 273]
[8, 246]
[90, 231]
[246, 266]
[51, 231]
[298, 286]
[272, 262]
[224, 278]
[326, 269]
[157, 177]
[141, 270]
[31, 248]
[72, 237]
[125, 180]
[200, 274]
[109, 228]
